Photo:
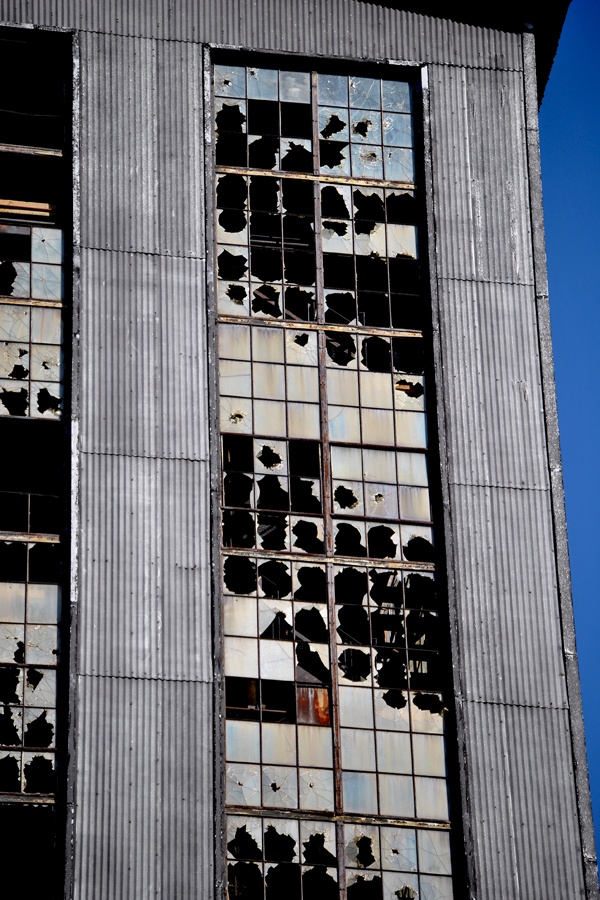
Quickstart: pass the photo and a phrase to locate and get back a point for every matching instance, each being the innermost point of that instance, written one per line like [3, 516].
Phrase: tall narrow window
[335, 755]
[34, 473]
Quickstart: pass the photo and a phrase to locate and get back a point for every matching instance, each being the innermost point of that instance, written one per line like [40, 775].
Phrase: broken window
[333, 633]
[33, 494]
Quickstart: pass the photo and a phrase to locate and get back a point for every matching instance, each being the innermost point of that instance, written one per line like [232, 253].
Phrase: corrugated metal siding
[144, 786]
[356, 28]
[495, 417]
[505, 581]
[143, 355]
[523, 805]
[142, 165]
[145, 608]
[482, 217]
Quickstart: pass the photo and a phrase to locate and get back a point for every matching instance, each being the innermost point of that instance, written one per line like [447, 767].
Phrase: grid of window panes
[29, 620]
[334, 687]
[31, 298]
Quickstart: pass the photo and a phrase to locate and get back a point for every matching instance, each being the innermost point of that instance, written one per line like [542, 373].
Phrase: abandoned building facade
[284, 590]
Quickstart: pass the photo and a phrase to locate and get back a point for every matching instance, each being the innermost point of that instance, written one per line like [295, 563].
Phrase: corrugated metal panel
[523, 804]
[143, 355]
[506, 596]
[355, 28]
[142, 146]
[145, 784]
[145, 599]
[482, 216]
[494, 406]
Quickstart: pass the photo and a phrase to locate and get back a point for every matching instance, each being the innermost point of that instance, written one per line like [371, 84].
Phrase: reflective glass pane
[333, 90]
[396, 795]
[294, 87]
[263, 84]
[360, 792]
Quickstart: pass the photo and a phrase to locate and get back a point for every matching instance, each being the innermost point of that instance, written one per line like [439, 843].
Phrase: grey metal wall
[513, 693]
[144, 784]
[144, 779]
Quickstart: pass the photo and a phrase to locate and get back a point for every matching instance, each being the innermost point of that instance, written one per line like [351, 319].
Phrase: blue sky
[570, 142]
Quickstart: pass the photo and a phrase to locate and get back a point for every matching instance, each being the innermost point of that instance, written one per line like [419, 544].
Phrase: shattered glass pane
[242, 787]
[348, 498]
[333, 123]
[318, 842]
[280, 787]
[230, 81]
[367, 161]
[316, 789]
[399, 849]
[301, 348]
[46, 282]
[14, 323]
[402, 240]
[38, 773]
[236, 415]
[434, 851]
[361, 843]
[41, 645]
[15, 280]
[46, 399]
[435, 887]
[263, 83]
[14, 361]
[365, 93]
[40, 687]
[409, 392]
[39, 728]
[333, 90]
[46, 245]
[244, 837]
[232, 299]
[45, 361]
[365, 126]
[396, 96]
[399, 165]
[397, 130]
[277, 660]
[391, 710]
[400, 885]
